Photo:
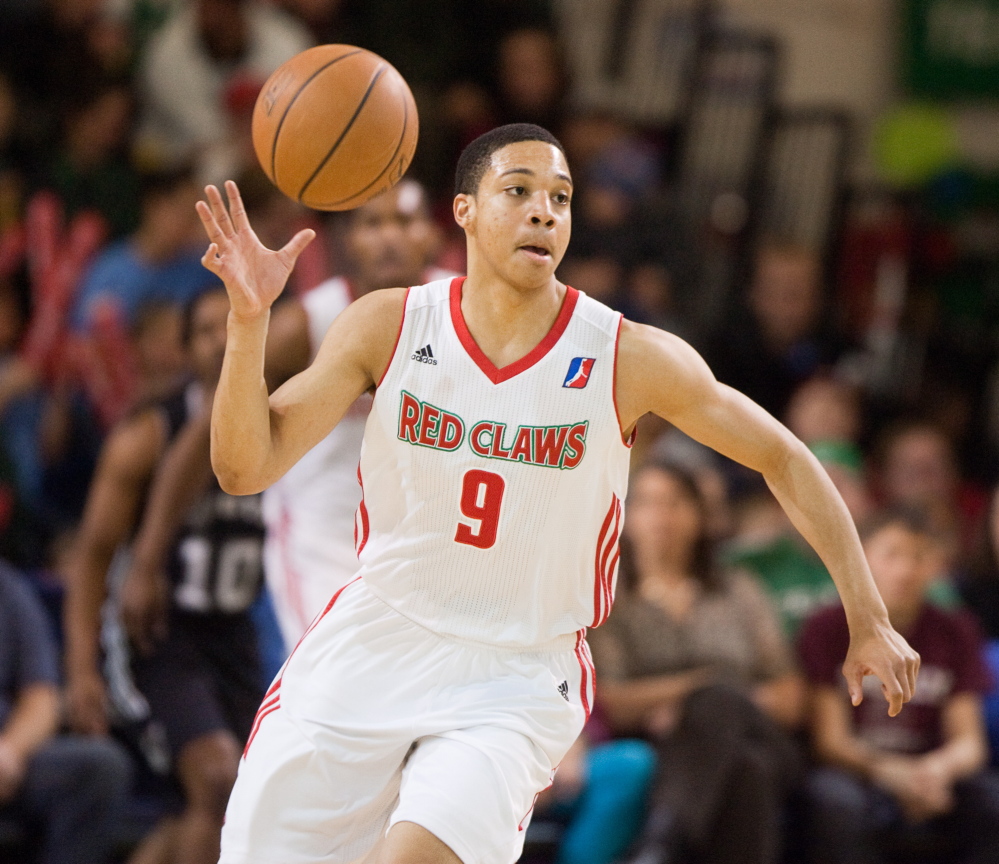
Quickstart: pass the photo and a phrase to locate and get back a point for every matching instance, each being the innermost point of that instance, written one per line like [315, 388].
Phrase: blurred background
[806, 190]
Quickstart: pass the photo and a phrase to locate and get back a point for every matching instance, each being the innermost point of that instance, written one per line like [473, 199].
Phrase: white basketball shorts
[376, 720]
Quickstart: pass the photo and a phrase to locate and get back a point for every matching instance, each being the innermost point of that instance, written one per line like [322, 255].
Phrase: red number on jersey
[481, 498]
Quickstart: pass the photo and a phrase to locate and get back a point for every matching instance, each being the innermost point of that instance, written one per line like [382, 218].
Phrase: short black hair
[164, 181]
[476, 157]
[912, 519]
[212, 286]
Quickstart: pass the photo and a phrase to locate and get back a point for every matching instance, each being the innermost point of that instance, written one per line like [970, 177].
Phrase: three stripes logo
[424, 355]
[563, 688]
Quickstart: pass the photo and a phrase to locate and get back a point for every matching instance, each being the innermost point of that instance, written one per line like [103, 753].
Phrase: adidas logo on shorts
[563, 688]
[424, 355]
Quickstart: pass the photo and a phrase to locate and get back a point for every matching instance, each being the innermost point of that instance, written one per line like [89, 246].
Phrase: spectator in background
[191, 60]
[19, 542]
[91, 170]
[824, 408]
[979, 582]
[12, 181]
[917, 467]
[157, 338]
[825, 414]
[530, 78]
[918, 776]
[50, 53]
[783, 341]
[161, 261]
[693, 658]
[74, 787]
[193, 647]
[978, 585]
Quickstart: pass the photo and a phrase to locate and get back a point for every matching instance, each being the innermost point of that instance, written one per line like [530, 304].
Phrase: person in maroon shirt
[918, 780]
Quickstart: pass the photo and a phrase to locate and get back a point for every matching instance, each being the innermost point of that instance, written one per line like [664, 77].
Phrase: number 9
[481, 499]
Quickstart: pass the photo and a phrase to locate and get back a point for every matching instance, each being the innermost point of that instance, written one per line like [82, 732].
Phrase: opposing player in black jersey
[198, 672]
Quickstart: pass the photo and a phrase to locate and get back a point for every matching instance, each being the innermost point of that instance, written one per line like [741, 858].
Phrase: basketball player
[432, 701]
[199, 677]
[309, 512]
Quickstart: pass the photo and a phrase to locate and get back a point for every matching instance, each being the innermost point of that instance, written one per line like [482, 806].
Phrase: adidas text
[424, 355]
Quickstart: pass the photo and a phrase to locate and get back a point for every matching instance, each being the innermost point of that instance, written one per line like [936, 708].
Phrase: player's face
[520, 218]
[392, 239]
[207, 338]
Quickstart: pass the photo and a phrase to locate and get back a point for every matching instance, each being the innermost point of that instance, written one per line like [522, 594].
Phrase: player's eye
[561, 198]
[517, 190]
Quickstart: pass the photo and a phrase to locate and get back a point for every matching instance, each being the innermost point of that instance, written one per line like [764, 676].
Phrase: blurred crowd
[136, 645]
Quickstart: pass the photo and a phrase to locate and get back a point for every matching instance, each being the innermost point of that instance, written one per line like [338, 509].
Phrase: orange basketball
[334, 126]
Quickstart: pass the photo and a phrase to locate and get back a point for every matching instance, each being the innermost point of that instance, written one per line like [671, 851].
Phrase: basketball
[334, 126]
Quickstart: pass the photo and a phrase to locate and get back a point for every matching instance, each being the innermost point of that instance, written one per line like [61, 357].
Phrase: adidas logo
[424, 355]
[563, 688]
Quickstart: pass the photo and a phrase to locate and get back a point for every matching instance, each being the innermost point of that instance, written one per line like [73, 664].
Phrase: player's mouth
[538, 253]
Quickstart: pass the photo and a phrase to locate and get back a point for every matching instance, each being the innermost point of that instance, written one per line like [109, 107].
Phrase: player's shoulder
[643, 349]
[599, 316]
[432, 293]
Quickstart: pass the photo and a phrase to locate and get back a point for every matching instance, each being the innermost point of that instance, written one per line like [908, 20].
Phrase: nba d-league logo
[579, 372]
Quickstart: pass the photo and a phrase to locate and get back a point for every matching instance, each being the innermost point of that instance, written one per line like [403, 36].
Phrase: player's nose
[541, 211]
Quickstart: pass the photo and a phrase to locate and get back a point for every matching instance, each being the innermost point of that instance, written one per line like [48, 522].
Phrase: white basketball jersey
[492, 498]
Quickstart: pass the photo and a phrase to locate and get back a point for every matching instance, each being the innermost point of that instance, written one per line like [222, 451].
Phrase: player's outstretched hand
[882, 652]
[253, 275]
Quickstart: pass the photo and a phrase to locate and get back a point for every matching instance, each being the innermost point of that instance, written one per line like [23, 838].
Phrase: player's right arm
[256, 438]
[125, 466]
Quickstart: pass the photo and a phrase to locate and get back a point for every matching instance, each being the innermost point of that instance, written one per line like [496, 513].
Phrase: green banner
[952, 48]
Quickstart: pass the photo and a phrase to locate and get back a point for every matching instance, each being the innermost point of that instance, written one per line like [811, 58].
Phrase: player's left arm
[659, 373]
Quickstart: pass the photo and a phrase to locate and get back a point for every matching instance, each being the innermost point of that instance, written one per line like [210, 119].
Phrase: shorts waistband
[564, 643]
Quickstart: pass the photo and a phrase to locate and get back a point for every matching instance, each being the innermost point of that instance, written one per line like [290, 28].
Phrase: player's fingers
[219, 211]
[210, 260]
[893, 693]
[912, 672]
[293, 248]
[208, 220]
[236, 208]
[854, 683]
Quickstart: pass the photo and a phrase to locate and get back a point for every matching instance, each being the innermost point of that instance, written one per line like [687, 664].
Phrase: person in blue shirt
[74, 787]
[159, 262]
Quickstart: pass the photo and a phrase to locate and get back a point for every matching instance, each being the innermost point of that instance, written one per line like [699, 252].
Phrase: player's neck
[508, 321]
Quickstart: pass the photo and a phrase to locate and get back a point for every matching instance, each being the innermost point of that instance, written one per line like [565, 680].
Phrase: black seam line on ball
[305, 83]
[388, 165]
[357, 111]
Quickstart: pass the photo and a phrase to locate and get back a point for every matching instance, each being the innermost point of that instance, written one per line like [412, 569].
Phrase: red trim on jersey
[398, 336]
[498, 376]
[628, 440]
[585, 670]
[605, 561]
[609, 561]
[598, 593]
[362, 514]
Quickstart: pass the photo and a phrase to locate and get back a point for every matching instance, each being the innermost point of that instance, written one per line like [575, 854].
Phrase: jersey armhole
[398, 336]
[629, 439]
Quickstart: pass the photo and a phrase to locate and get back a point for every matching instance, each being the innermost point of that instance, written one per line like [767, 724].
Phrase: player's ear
[464, 209]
